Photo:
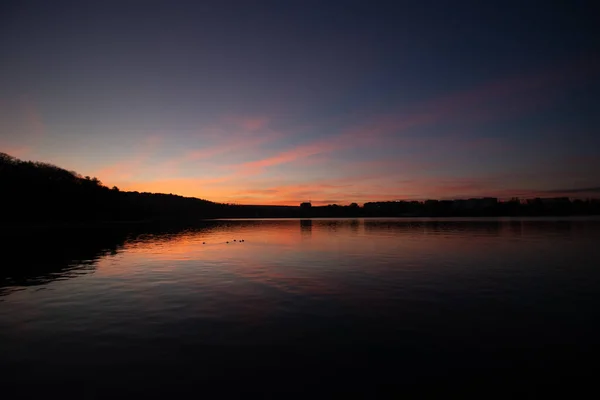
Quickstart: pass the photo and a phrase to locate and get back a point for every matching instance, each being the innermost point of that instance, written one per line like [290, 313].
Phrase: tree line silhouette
[489, 207]
[37, 192]
[42, 192]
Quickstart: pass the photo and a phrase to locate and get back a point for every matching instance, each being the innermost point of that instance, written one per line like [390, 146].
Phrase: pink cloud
[464, 105]
[319, 147]
[517, 94]
[366, 181]
[303, 151]
[360, 189]
[236, 135]
[127, 172]
[362, 181]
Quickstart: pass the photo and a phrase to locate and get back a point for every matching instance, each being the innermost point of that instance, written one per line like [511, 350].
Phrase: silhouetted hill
[39, 192]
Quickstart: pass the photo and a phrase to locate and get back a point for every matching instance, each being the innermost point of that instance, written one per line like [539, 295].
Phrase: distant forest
[37, 192]
[41, 192]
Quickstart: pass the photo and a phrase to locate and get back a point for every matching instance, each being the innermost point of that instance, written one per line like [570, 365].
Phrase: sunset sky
[279, 102]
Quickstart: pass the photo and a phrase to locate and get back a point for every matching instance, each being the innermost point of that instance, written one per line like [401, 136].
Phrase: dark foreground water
[314, 308]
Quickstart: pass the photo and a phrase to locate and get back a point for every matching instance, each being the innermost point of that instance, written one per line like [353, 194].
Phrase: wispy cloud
[497, 99]
[235, 136]
[368, 179]
[303, 151]
[231, 143]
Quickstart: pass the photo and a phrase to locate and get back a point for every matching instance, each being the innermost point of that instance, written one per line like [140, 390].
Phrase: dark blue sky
[280, 101]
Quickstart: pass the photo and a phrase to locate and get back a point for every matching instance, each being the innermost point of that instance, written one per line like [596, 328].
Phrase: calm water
[367, 306]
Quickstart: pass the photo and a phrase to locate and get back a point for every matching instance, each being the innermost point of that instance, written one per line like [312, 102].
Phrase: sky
[281, 102]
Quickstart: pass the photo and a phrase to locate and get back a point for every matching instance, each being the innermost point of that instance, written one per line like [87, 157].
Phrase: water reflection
[435, 226]
[30, 260]
[306, 227]
[40, 257]
[147, 300]
[354, 226]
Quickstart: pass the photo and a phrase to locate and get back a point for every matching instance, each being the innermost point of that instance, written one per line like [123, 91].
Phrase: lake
[304, 307]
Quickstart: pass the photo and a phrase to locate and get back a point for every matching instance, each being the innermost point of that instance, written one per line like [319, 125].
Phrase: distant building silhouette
[305, 209]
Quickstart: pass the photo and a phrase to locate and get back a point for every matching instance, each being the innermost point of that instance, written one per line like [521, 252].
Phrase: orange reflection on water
[248, 247]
